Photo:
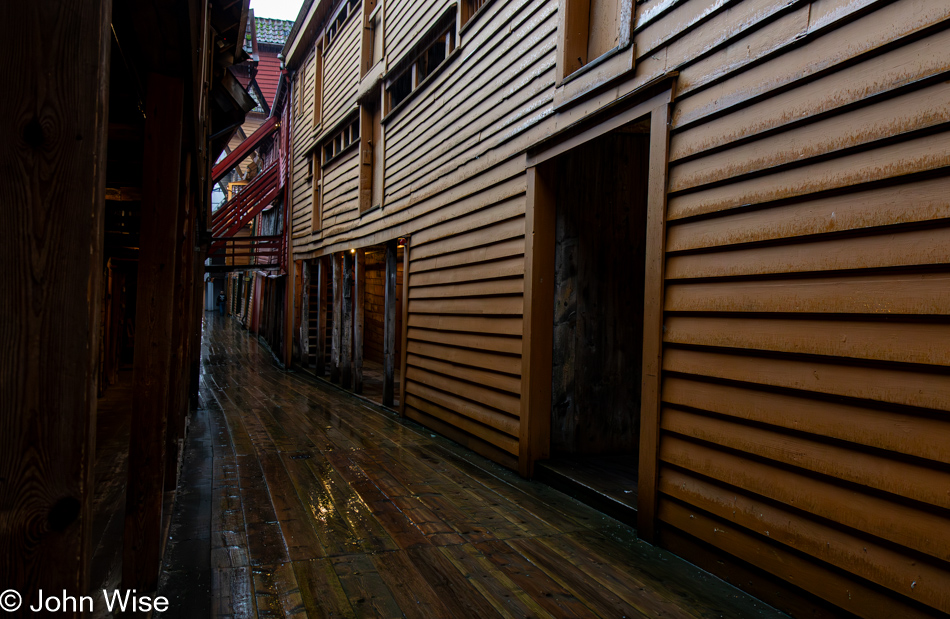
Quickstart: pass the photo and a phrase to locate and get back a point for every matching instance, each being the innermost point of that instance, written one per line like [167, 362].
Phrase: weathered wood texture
[408, 524]
[53, 117]
[598, 297]
[155, 315]
[806, 262]
[802, 241]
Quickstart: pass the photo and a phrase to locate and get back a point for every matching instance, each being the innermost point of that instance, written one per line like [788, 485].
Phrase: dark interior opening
[601, 204]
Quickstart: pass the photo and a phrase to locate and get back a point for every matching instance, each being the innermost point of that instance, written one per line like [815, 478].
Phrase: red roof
[268, 75]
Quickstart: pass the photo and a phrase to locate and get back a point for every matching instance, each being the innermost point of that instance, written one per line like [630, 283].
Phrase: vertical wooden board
[155, 315]
[51, 244]
[304, 332]
[389, 324]
[336, 342]
[346, 321]
[537, 339]
[405, 328]
[320, 304]
[653, 323]
[358, 318]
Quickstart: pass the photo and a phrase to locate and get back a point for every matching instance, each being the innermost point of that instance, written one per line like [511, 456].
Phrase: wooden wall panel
[406, 22]
[342, 73]
[464, 344]
[806, 312]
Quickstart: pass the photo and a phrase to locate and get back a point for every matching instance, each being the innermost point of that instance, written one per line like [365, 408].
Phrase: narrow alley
[322, 505]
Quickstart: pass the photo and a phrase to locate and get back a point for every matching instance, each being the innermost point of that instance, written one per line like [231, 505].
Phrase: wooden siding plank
[482, 377]
[886, 162]
[908, 387]
[912, 248]
[482, 414]
[504, 249]
[923, 531]
[488, 397]
[474, 237]
[478, 341]
[850, 41]
[840, 461]
[905, 65]
[913, 111]
[468, 324]
[485, 361]
[901, 342]
[902, 432]
[471, 289]
[499, 269]
[495, 306]
[840, 590]
[920, 201]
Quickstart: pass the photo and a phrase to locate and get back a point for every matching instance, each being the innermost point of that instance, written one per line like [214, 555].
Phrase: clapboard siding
[804, 435]
[407, 21]
[464, 344]
[805, 387]
[342, 72]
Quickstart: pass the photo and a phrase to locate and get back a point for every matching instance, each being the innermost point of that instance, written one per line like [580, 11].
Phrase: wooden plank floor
[323, 506]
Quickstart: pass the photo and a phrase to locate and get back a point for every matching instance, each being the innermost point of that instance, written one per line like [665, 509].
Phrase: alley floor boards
[323, 506]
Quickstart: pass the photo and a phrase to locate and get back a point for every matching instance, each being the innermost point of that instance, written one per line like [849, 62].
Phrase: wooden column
[537, 338]
[321, 305]
[346, 326]
[335, 339]
[389, 325]
[53, 118]
[359, 278]
[153, 324]
[405, 329]
[181, 325]
[653, 291]
[305, 313]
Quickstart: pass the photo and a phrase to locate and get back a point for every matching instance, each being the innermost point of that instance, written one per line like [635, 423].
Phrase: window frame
[567, 44]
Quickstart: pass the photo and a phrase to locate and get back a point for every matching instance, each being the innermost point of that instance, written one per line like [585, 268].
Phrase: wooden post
[346, 326]
[177, 405]
[405, 329]
[336, 340]
[653, 291]
[360, 280]
[53, 153]
[153, 324]
[538, 330]
[389, 325]
[321, 305]
[305, 313]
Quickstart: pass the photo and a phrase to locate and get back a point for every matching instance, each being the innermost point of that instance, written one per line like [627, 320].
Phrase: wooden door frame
[537, 335]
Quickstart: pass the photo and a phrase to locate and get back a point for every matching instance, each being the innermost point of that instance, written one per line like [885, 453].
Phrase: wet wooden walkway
[325, 507]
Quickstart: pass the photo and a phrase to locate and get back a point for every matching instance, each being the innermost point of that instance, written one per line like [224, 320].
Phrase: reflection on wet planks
[325, 507]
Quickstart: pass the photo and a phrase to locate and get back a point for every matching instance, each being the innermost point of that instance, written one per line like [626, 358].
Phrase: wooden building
[114, 116]
[701, 243]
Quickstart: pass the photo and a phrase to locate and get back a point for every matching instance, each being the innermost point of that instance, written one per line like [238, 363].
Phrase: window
[345, 10]
[590, 29]
[426, 59]
[468, 8]
[348, 135]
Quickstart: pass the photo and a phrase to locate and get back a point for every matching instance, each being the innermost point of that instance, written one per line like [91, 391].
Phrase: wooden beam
[305, 313]
[389, 325]
[51, 245]
[405, 328]
[153, 324]
[346, 326]
[653, 291]
[336, 339]
[537, 338]
[321, 305]
[358, 309]
[178, 404]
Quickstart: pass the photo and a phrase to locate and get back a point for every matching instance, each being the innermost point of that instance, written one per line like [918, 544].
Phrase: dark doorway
[382, 320]
[601, 207]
